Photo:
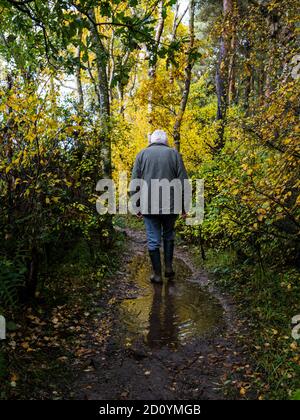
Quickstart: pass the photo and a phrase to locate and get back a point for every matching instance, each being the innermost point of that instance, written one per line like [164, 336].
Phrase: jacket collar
[158, 144]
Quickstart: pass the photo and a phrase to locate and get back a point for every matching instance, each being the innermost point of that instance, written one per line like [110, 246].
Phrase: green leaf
[11, 326]
[296, 395]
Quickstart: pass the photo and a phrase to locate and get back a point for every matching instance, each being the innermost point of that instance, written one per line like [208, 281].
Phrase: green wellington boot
[156, 265]
[169, 253]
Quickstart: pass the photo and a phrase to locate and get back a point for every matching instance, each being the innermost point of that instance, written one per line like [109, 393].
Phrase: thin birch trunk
[188, 76]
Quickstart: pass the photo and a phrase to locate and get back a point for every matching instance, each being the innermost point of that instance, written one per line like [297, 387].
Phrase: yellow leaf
[25, 345]
[8, 168]
[294, 346]
[261, 211]
[14, 377]
[68, 184]
[242, 392]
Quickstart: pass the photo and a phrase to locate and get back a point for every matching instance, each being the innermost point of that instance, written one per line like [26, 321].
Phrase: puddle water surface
[168, 314]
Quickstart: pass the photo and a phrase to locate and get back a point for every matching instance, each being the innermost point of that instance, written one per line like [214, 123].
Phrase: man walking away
[155, 163]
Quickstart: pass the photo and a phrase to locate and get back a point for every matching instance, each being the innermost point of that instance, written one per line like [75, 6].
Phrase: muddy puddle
[170, 314]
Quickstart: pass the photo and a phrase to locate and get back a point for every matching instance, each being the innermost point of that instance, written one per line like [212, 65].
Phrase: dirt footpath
[176, 341]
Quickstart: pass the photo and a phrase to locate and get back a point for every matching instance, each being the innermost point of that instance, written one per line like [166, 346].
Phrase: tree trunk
[111, 66]
[102, 57]
[273, 24]
[32, 274]
[9, 156]
[222, 74]
[232, 59]
[248, 81]
[78, 78]
[121, 86]
[153, 58]
[174, 30]
[190, 60]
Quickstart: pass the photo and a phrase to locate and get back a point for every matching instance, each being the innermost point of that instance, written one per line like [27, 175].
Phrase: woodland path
[177, 341]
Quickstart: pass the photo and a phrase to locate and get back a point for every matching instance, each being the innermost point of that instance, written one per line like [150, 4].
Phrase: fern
[11, 280]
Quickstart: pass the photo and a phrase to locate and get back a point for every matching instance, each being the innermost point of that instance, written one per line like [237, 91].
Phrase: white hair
[159, 136]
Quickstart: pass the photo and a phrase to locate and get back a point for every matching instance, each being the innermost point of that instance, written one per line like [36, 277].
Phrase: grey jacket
[160, 162]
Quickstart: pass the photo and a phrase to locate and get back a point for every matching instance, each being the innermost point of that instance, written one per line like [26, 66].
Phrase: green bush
[11, 280]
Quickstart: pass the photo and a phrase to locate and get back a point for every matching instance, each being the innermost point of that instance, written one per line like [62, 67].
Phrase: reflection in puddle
[170, 313]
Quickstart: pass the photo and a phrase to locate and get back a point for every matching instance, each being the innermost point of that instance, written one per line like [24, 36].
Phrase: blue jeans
[158, 226]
